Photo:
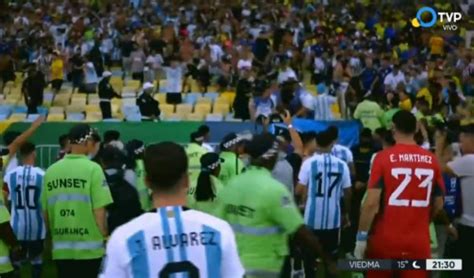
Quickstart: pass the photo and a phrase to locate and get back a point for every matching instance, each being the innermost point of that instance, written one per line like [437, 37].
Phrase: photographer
[126, 205]
[462, 168]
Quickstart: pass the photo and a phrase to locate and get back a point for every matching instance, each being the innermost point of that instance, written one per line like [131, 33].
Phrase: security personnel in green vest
[263, 214]
[194, 151]
[232, 165]
[74, 198]
[8, 243]
[136, 149]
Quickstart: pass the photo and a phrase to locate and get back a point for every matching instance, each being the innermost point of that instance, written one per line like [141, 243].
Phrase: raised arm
[295, 137]
[16, 144]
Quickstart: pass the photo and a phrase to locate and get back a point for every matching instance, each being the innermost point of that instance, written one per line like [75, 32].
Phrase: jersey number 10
[28, 198]
[426, 177]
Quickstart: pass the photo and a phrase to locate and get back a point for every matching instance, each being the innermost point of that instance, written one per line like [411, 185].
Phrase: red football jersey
[409, 177]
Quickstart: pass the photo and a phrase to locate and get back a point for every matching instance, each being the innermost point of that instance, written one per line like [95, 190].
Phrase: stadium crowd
[362, 60]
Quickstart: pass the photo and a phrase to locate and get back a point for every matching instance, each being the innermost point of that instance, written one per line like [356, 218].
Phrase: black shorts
[33, 249]
[330, 241]
[138, 76]
[56, 84]
[78, 268]
[173, 98]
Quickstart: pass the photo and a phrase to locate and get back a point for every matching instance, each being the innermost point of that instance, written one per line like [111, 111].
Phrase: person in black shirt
[33, 88]
[261, 50]
[126, 205]
[106, 94]
[77, 73]
[147, 104]
[243, 94]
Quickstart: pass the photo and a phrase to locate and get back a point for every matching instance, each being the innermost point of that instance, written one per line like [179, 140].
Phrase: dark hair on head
[324, 139]
[366, 133]
[394, 101]
[404, 122]
[307, 137]
[204, 129]
[204, 190]
[388, 139]
[26, 149]
[380, 131]
[95, 137]
[63, 139]
[165, 164]
[333, 131]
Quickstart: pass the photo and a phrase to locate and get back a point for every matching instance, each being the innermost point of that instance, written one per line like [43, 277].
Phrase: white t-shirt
[174, 79]
[286, 75]
[90, 74]
[173, 240]
[155, 61]
[391, 81]
[464, 169]
[244, 64]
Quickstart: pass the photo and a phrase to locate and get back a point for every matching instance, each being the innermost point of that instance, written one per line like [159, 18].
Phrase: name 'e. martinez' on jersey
[173, 242]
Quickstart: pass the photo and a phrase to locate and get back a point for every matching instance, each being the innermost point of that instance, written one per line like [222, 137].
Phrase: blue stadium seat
[131, 113]
[20, 109]
[31, 118]
[191, 98]
[5, 111]
[212, 96]
[75, 117]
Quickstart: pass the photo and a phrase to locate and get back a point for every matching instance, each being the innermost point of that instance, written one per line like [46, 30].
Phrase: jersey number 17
[332, 176]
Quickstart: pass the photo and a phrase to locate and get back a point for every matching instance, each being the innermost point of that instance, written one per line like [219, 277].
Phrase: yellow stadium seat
[11, 101]
[55, 117]
[117, 101]
[93, 116]
[221, 108]
[223, 100]
[8, 87]
[17, 117]
[92, 108]
[135, 84]
[195, 117]
[184, 109]
[61, 100]
[56, 110]
[203, 108]
[172, 117]
[214, 117]
[75, 108]
[115, 108]
[160, 97]
[166, 109]
[230, 96]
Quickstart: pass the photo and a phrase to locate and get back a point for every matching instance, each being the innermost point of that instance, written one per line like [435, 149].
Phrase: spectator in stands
[138, 58]
[394, 78]
[7, 70]
[244, 92]
[262, 105]
[77, 71]
[340, 151]
[106, 94]
[174, 81]
[149, 107]
[322, 105]
[33, 88]
[57, 71]
[126, 205]
[90, 77]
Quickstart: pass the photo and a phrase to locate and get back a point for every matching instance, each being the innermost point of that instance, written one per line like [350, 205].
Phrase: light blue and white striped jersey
[326, 176]
[173, 242]
[24, 185]
[343, 153]
[322, 107]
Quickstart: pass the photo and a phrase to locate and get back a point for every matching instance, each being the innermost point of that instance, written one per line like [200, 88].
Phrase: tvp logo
[448, 19]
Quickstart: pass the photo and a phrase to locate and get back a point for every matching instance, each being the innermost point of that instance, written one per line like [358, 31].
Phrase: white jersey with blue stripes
[24, 185]
[325, 176]
[343, 153]
[173, 242]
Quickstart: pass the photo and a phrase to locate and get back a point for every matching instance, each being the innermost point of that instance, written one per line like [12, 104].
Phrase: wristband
[362, 236]
[290, 126]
